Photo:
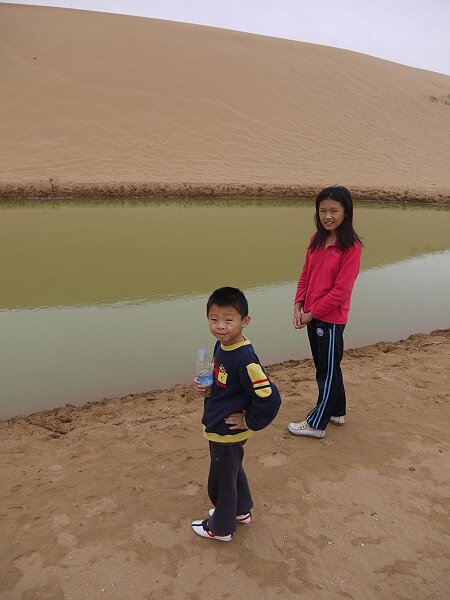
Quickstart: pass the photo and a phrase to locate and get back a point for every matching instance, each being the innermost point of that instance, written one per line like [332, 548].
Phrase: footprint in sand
[158, 534]
[99, 506]
[190, 489]
[365, 541]
[60, 520]
[67, 540]
[275, 459]
[16, 508]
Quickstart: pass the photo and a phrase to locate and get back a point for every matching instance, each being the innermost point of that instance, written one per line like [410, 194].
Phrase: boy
[243, 400]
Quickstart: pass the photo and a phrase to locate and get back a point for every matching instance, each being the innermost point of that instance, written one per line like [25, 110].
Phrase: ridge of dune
[103, 104]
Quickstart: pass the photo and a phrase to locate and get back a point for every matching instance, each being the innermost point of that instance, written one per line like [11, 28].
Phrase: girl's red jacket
[326, 282]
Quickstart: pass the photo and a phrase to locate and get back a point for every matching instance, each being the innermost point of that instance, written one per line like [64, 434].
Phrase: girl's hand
[298, 312]
[199, 388]
[306, 318]
[237, 420]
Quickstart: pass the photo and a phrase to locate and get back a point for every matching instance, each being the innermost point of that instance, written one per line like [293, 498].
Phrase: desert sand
[96, 104]
[97, 500]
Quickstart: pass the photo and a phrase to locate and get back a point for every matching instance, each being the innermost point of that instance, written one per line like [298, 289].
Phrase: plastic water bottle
[204, 371]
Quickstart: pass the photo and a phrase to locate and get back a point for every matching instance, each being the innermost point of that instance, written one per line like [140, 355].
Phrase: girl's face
[331, 214]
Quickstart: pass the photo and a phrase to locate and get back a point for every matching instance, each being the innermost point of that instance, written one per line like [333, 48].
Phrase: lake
[105, 299]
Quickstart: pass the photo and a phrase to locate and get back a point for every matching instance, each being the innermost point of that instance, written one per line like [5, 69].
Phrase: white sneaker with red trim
[243, 519]
[201, 528]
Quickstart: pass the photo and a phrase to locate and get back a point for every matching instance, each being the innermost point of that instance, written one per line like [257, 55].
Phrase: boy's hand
[199, 388]
[237, 420]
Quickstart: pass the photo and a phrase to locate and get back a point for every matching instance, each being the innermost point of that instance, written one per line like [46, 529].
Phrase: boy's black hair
[229, 296]
[346, 236]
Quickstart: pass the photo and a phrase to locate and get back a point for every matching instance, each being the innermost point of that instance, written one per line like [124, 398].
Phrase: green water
[103, 300]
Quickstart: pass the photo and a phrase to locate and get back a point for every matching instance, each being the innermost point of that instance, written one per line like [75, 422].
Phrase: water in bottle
[204, 371]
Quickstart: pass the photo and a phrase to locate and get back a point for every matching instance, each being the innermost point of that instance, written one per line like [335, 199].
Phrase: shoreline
[51, 190]
[57, 420]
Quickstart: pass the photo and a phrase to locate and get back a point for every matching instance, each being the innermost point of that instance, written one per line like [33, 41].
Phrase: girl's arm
[301, 285]
[300, 294]
[343, 286]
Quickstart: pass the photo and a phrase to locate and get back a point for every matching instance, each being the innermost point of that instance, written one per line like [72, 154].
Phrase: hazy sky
[411, 32]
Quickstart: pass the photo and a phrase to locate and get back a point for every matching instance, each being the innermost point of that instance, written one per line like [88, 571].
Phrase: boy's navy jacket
[240, 385]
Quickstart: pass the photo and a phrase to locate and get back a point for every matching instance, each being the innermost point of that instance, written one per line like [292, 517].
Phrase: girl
[322, 303]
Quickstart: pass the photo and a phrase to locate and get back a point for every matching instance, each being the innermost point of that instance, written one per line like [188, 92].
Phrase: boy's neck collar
[245, 342]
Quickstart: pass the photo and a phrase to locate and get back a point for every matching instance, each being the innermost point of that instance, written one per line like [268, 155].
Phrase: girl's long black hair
[346, 236]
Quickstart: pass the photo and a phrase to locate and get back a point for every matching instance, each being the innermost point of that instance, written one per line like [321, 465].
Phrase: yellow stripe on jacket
[259, 379]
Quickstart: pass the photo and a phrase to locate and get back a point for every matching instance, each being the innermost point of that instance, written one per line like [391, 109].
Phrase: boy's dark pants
[327, 347]
[228, 488]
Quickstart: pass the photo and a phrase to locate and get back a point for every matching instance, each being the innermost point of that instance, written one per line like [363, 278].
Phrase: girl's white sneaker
[304, 429]
[338, 420]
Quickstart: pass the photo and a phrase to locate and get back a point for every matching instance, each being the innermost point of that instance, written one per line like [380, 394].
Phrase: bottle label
[207, 380]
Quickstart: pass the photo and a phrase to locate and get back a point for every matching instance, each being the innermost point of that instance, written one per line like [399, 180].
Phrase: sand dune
[124, 105]
[97, 500]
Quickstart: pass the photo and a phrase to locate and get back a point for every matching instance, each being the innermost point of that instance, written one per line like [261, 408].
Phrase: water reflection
[125, 288]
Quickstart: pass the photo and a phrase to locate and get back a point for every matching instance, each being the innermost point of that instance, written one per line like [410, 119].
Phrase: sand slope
[96, 502]
[102, 102]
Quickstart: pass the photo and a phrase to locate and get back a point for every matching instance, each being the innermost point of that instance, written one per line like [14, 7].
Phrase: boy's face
[226, 324]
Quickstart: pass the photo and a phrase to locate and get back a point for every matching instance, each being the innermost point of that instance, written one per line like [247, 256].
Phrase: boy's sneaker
[338, 420]
[304, 429]
[201, 528]
[244, 519]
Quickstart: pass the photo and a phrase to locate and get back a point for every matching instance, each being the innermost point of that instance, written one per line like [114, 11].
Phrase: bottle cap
[201, 351]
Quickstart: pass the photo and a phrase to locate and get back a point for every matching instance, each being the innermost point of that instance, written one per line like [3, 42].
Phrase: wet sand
[23, 193]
